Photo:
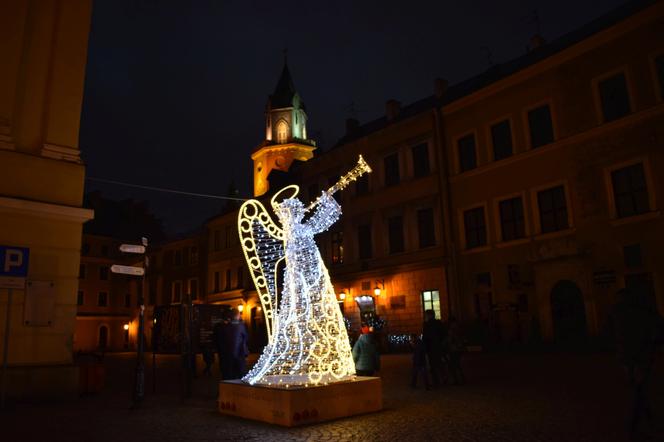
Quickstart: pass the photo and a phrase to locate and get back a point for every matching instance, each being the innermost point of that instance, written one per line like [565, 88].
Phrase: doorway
[103, 337]
[568, 313]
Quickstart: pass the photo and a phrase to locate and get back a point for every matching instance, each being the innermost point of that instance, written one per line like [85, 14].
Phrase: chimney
[439, 87]
[392, 109]
[351, 125]
[536, 41]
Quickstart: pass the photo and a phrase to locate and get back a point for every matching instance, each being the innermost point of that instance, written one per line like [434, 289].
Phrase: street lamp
[240, 308]
[126, 327]
[378, 290]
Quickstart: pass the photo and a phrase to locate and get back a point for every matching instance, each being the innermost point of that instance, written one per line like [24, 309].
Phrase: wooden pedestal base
[298, 406]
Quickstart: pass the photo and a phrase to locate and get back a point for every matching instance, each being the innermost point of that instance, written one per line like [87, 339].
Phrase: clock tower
[285, 134]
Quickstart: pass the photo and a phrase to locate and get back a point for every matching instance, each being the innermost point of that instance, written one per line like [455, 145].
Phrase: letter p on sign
[14, 261]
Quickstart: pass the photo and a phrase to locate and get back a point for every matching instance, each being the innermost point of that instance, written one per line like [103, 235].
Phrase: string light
[307, 339]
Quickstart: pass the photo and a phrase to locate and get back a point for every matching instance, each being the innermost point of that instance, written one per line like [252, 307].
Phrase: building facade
[43, 48]
[107, 302]
[554, 191]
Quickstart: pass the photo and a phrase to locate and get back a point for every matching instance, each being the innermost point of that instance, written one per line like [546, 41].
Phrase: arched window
[282, 132]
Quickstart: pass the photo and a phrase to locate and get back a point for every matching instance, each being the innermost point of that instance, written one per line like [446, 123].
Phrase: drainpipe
[451, 269]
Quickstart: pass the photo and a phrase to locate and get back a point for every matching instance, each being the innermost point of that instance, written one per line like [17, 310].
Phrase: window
[176, 294]
[633, 257]
[193, 288]
[80, 298]
[395, 234]
[217, 283]
[102, 299]
[362, 185]
[552, 209]
[228, 279]
[127, 300]
[240, 277]
[177, 258]
[614, 97]
[540, 126]
[501, 137]
[420, 160]
[282, 132]
[425, 228]
[391, 164]
[217, 241]
[193, 255]
[467, 156]
[659, 71]
[81, 271]
[337, 247]
[512, 223]
[103, 273]
[431, 301]
[228, 238]
[475, 227]
[630, 191]
[364, 241]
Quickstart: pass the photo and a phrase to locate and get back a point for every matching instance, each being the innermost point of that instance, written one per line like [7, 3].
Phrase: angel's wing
[263, 244]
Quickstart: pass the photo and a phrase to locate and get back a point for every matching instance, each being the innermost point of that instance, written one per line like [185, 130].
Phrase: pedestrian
[419, 362]
[235, 347]
[635, 329]
[434, 335]
[366, 355]
[218, 336]
[208, 358]
[455, 348]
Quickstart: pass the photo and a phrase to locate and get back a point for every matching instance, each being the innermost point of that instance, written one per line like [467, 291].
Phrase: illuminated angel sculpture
[307, 339]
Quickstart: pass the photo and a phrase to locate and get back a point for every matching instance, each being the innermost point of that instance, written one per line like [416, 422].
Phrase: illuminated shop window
[431, 301]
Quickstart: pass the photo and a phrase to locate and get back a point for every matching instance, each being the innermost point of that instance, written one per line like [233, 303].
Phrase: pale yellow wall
[43, 45]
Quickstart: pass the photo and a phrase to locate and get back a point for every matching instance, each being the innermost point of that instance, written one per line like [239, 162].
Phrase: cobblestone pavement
[508, 397]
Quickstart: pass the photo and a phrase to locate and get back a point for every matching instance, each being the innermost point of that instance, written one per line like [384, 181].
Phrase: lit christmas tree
[307, 339]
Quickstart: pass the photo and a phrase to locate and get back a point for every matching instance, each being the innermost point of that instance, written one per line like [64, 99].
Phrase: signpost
[13, 273]
[139, 380]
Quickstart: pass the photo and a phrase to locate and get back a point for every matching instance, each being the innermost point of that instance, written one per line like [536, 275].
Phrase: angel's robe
[310, 342]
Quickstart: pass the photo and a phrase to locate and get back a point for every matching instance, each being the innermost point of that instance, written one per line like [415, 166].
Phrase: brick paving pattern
[508, 397]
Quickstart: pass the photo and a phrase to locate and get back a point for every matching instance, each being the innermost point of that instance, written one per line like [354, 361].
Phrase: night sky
[175, 90]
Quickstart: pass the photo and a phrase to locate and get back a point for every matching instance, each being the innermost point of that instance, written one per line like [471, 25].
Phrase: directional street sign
[132, 248]
[128, 270]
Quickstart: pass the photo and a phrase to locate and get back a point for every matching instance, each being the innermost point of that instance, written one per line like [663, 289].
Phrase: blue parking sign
[14, 261]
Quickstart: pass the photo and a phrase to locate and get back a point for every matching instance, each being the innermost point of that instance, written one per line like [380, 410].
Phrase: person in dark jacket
[419, 362]
[218, 334]
[434, 336]
[634, 328]
[366, 355]
[235, 347]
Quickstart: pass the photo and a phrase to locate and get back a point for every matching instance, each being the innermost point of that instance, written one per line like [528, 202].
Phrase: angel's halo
[295, 189]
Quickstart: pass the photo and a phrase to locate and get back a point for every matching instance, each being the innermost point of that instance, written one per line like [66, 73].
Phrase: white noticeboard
[39, 303]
